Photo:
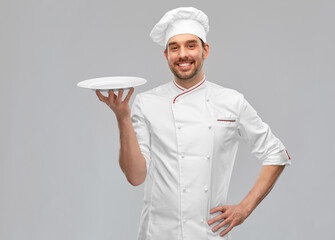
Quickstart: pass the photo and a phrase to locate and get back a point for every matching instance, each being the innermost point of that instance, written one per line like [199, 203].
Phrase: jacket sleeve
[141, 128]
[262, 142]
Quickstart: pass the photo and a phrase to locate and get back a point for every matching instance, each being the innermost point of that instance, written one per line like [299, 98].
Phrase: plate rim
[84, 83]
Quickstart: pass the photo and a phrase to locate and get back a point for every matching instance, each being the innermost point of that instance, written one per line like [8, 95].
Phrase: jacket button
[209, 127]
[205, 189]
[184, 189]
[208, 157]
[207, 100]
[179, 127]
[182, 156]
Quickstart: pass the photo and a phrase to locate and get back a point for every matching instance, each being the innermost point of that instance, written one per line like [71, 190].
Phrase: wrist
[123, 120]
[247, 207]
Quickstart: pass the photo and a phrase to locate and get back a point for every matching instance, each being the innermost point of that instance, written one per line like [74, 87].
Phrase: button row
[205, 189]
[207, 157]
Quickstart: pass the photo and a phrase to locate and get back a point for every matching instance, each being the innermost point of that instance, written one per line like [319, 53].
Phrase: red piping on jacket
[189, 90]
[288, 155]
[177, 86]
[225, 120]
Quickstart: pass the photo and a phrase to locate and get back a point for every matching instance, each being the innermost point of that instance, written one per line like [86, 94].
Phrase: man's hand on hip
[119, 107]
[233, 215]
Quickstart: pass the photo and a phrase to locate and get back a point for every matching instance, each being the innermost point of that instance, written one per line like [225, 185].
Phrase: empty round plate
[112, 83]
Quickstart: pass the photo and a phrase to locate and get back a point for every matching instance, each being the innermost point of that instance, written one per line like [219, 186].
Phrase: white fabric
[180, 21]
[189, 138]
[183, 26]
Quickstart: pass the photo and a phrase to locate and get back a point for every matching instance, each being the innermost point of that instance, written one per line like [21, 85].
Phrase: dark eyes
[174, 48]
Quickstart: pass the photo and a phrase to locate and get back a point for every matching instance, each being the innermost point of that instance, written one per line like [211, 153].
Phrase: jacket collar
[181, 90]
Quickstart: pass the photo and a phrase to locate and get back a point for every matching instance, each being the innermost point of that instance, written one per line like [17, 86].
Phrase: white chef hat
[180, 21]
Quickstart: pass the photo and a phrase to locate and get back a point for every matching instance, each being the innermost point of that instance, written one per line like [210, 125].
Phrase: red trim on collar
[189, 90]
[177, 85]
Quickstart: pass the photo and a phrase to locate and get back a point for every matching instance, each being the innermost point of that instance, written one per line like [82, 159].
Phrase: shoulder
[156, 92]
[218, 91]
[225, 99]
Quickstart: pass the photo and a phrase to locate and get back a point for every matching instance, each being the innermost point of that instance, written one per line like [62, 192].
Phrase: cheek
[171, 58]
[199, 55]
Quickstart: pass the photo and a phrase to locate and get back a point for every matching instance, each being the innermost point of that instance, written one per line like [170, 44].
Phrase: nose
[182, 52]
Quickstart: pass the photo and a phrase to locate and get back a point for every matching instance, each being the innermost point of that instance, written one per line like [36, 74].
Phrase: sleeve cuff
[280, 158]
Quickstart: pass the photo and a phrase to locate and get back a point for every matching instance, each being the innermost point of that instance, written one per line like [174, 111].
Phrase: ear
[206, 51]
[166, 54]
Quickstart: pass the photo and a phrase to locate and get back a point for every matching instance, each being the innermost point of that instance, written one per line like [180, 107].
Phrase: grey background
[59, 171]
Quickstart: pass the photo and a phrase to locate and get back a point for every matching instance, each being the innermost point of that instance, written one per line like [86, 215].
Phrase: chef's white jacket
[189, 138]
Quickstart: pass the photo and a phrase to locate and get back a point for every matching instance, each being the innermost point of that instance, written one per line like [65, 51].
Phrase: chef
[181, 140]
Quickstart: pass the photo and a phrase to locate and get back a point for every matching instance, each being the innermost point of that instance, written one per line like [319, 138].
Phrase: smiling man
[181, 140]
[185, 54]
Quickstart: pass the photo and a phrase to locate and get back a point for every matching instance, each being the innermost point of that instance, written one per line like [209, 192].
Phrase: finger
[127, 98]
[101, 97]
[227, 230]
[217, 218]
[111, 96]
[217, 209]
[119, 96]
[221, 224]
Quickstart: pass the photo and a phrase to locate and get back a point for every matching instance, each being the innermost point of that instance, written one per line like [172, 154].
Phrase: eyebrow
[189, 41]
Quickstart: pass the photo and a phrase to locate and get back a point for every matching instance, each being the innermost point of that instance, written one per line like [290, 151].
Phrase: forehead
[183, 38]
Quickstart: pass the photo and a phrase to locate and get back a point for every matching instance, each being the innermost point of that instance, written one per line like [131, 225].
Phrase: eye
[191, 46]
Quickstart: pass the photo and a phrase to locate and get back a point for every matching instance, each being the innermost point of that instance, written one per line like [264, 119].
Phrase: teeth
[184, 64]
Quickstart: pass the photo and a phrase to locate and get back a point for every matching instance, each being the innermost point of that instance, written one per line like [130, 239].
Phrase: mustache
[181, 60]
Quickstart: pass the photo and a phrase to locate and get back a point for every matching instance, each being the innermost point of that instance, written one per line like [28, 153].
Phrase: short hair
[202, 43]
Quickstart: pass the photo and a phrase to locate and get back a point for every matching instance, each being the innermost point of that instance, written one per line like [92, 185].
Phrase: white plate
[112, 83]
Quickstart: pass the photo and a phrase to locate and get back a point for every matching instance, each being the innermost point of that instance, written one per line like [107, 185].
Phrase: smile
[184, 64]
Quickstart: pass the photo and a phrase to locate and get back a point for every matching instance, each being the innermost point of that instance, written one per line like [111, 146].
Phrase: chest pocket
[225, 129]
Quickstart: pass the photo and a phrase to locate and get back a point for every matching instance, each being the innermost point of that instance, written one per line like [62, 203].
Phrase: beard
[190, 75]
[185, 76]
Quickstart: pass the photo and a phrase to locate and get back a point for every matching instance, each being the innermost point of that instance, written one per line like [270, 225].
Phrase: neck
[188, 83]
